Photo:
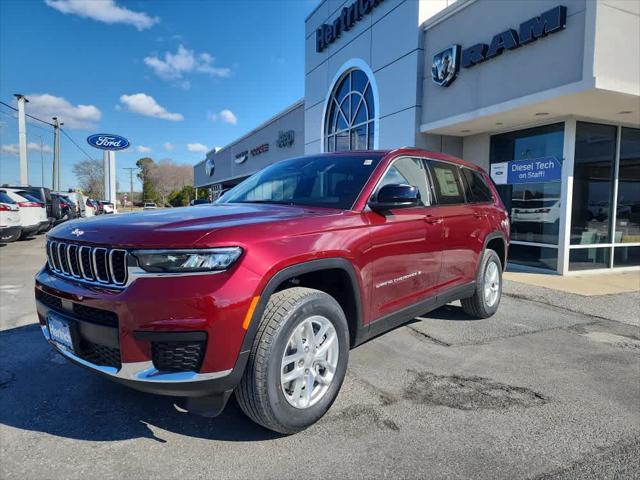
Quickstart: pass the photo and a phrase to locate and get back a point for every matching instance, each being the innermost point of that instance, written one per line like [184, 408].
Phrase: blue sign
[535, 170]
[107, 141]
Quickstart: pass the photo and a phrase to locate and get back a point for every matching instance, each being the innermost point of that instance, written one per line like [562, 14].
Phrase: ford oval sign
[107, 141]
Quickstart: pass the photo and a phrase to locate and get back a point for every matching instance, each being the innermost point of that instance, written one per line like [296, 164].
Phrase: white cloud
[105, 11]
[144, 104]
[143, 149]
[11, 149]
[226, 115]
[168, 146]
[174, 65]
[197, 147]
[14, 149]
[46, 106]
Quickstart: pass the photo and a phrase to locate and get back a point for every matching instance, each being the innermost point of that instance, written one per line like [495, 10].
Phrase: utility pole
[41, 161]
[22, 139]
[55, 179]
[131, 169]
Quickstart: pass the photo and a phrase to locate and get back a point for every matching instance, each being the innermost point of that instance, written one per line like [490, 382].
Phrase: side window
[408, 171]
[447, 183]
[476, 188]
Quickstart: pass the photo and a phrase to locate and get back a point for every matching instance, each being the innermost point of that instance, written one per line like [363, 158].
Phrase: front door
[406, 244]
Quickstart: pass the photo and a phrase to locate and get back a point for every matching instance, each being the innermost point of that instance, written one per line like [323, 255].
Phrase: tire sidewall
[489, 257]
[285, 413]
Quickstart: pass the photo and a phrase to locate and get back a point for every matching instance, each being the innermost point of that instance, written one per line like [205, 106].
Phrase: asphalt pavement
[547, 388]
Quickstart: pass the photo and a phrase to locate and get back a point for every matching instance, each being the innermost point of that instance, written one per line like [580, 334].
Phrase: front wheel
[484, 302]
[298, 361]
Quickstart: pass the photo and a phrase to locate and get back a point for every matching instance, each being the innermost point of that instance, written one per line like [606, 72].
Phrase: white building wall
[388, 40]
[616, 64]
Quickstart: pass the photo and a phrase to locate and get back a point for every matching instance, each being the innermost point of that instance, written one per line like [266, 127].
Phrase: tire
[480, 305]
[261, 393]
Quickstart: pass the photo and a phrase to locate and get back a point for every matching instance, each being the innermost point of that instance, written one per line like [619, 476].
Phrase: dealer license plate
[60, 330]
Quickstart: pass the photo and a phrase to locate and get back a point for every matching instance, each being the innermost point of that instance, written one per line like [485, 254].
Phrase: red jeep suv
[264, 292]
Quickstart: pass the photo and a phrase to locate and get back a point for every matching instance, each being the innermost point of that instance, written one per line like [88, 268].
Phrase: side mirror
[395, 196]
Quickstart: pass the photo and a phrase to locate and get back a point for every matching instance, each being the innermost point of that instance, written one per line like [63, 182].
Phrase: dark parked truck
[264, 292]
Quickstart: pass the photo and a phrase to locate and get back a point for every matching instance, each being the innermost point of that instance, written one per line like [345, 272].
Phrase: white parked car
[108, 207]
[33, 214]
[89, 209]
[10, 229]
[149, 206]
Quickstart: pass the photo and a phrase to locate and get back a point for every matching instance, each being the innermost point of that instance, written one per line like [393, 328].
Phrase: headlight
[186, 261]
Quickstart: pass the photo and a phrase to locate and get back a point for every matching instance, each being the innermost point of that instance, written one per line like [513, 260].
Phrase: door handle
[479, 215]
[432, 220]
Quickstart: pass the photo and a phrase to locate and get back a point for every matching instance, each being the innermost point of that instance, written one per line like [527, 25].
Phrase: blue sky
[173, 76]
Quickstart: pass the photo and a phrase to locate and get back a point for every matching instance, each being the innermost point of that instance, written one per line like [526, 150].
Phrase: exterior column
[566, 195]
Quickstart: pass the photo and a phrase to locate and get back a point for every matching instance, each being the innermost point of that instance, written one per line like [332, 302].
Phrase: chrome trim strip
[137, 371]
[69, 260]
[126, 269]
[49, 257]
[53, 257]
[95, 265]
[132, 272]
[62, 245]
[84, 274]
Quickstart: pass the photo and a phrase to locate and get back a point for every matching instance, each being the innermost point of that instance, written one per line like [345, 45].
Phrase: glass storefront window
[626, 257]
[532, 256]
[592, 183]
[534, 208]
[589, 258]
[627, 228]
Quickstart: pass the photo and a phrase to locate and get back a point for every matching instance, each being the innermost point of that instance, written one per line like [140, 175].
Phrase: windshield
[332, 181]
[4, 198]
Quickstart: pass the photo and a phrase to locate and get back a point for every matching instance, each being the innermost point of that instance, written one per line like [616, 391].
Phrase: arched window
[350, 114]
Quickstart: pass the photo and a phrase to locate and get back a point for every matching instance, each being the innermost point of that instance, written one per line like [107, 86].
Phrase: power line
[77, 146]
[30, 116]
[31, 124]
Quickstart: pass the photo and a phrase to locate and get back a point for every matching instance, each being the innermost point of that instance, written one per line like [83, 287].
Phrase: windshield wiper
[274, 202]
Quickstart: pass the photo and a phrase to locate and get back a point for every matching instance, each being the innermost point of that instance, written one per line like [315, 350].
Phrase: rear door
[464, 226]
[406, 244]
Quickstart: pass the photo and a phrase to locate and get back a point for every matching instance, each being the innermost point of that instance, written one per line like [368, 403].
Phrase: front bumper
[44, 226]
[143, 376]
[155, 308]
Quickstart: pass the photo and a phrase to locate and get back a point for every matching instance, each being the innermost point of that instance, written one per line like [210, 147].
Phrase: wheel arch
[300, 270]
[497, 241]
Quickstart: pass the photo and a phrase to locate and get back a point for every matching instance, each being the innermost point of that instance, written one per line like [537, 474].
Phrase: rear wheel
[298, 361]
[486, 299]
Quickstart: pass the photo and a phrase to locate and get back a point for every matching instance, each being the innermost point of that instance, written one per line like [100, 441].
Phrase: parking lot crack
[422, 335]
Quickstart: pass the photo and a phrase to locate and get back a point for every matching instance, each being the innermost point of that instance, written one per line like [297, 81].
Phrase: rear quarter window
[476, 188]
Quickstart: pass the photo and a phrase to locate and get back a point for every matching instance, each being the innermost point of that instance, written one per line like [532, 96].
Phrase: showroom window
[534, 208]
[350, 115]
[605, 212]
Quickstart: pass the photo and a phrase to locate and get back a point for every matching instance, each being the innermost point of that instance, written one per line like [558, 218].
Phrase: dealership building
[544, 95]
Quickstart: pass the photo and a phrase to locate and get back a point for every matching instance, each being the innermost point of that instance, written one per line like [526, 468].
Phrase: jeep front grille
[101, 266]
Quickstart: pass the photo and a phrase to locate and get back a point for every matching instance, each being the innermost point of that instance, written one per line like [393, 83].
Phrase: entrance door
[406, 250]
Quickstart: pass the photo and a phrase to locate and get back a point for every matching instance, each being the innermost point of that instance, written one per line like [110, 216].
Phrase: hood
[175, 227]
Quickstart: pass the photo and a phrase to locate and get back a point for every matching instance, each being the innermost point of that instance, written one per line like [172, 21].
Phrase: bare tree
[168, 176]
[90, 175]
